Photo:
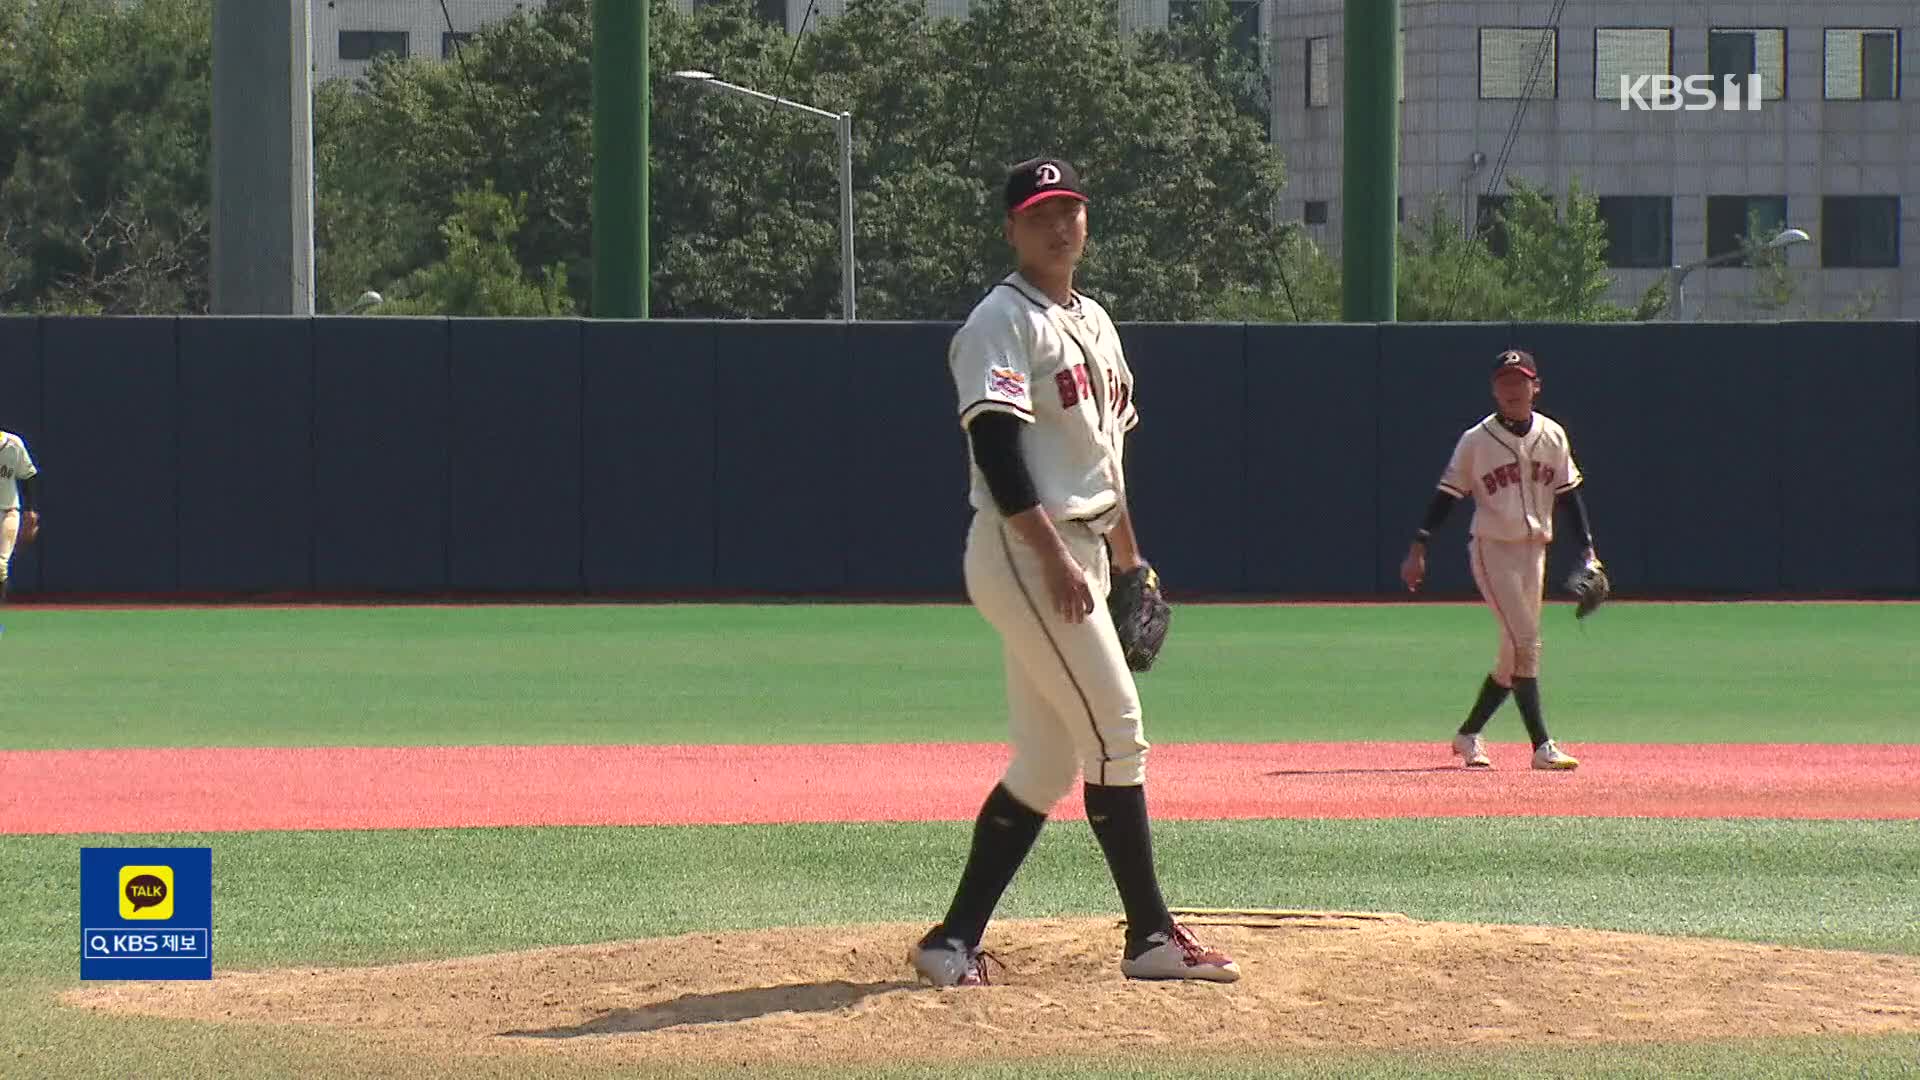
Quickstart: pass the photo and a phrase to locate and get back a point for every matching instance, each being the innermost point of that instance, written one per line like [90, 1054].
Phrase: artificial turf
[671, 674]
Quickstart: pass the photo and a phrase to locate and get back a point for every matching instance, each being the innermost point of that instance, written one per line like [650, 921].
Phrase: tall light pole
[843, 128]
[1676, 295]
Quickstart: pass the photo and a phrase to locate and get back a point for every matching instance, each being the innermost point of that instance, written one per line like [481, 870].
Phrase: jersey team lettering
[1509, 474]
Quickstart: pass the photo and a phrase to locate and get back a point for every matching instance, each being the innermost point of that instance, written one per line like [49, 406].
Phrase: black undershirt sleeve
[1575, 508]
[996, 450]
[1437, 512]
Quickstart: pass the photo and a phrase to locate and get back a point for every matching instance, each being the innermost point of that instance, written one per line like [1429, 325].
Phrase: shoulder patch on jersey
[1005, 380]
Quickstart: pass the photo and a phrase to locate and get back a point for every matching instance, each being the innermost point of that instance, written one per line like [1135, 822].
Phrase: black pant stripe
[1006, 546]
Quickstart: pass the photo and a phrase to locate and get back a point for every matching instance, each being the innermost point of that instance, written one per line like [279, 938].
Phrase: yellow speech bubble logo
[146, 892]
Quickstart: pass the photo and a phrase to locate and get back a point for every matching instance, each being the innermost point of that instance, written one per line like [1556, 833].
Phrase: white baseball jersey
[1513, 481]
[1062, 372]
[15, 465]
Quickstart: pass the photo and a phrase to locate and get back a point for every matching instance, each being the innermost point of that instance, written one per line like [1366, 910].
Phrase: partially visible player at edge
[1046, 399]
[19, 522]
[1518, 464]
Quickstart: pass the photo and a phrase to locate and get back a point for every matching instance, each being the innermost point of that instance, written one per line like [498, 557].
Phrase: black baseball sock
[1492, 696]
[1526, 694]
[1118, 815]
[1002, 835]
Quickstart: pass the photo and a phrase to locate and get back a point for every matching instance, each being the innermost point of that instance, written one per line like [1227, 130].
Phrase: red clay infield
[216, 790]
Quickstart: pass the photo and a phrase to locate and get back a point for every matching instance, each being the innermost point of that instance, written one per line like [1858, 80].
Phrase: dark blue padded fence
[420, 456]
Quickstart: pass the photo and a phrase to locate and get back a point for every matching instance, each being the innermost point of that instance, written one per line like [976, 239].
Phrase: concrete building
[1499, 87]
[348, 34]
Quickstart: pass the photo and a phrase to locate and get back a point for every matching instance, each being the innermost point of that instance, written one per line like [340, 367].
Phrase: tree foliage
[745, 199]
[105, 136]
[480, 275]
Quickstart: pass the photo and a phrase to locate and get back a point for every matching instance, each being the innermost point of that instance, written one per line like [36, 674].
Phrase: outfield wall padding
[564, 457]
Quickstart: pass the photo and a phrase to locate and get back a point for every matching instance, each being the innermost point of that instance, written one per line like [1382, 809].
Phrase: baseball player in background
[1046, 400]
[19, 522]
[1518, 466]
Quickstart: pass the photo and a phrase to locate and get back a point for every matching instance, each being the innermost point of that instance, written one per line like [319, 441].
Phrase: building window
[1519, 61]
[452, 41]
[1315, 213]
[367, 44]
[1319, 61]
[1639, 230]
[1488, 225]
[1732, 218]
[1860, 230]
[1629, 53]
[1863, 65]
[1739, 53]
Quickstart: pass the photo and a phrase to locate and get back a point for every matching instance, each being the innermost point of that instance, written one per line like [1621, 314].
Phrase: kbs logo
[1695, 93]
[1509, 476]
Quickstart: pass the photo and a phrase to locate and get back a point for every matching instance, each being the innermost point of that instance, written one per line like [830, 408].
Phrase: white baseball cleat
[1474, 750]
[948, 962]
[1548, 756]
[1175, 954]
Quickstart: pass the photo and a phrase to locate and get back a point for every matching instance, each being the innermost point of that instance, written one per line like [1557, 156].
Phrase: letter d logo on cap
[146, 892]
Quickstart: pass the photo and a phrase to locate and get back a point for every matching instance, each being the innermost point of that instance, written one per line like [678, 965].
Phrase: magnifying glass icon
[98, 943]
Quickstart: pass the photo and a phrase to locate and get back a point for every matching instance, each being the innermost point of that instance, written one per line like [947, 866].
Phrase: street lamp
[843, 127]
[367, 300]
[1677, 294]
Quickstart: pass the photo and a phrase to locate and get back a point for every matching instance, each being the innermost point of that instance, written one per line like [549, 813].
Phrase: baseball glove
[1140, 615]
[29, 528]
[1590, 588]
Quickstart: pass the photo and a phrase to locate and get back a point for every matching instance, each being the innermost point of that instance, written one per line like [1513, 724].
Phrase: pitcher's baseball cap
[1518, 360]
[1038, 179]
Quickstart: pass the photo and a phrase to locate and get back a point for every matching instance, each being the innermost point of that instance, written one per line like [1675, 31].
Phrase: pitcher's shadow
[723, 1007]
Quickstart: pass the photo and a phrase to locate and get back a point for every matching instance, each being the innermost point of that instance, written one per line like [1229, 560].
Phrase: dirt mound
[842, 994]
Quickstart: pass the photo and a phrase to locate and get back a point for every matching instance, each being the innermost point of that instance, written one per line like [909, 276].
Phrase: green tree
[745, 199]
[1307, 289]
[105, 138]
[1775, 289]
[1556, 261]
[480, 275]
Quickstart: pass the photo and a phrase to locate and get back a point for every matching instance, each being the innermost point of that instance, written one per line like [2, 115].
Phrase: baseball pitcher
[1046, 400]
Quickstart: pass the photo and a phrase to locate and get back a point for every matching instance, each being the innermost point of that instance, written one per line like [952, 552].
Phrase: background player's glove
[1589, 585]
[29, 528]
[1140, 615]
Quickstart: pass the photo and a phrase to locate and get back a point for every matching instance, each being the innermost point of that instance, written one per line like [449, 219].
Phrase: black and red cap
[1518, 360]
[1039, 179]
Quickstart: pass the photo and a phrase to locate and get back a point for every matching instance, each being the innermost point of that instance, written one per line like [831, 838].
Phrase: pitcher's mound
[842, 994]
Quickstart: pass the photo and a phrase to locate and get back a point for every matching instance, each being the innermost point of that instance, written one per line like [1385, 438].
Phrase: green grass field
[423, 676]
[802, 674]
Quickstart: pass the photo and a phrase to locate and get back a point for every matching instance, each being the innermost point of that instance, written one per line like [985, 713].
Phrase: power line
[1512, 138]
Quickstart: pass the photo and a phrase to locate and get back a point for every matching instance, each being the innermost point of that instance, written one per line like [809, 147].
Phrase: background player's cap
[1517, 360]
[1039, 179]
